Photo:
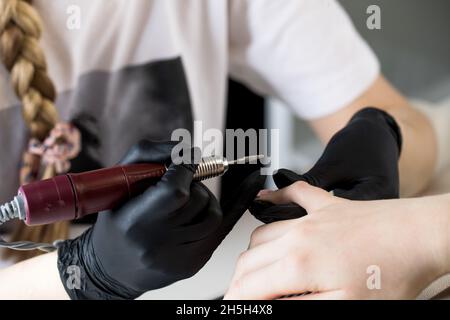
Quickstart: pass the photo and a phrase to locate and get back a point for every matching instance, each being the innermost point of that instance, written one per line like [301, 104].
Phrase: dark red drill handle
[73, 196]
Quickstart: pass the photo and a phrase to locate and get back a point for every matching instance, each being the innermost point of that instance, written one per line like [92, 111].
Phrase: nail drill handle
[73, 196]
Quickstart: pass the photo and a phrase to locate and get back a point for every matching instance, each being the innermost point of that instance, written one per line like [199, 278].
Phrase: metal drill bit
[212, 167]
[249, 159]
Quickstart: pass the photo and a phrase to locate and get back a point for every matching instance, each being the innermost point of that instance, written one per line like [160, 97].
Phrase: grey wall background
[413, 44]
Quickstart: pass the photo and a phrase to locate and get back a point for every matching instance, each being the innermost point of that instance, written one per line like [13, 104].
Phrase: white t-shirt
[142, 68]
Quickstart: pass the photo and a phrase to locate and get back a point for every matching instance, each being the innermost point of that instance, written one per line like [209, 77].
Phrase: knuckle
[172, 197]
[294, 261]
[299, 185]
[237, 287]
[242, 260]
[181, 195]
[178, 193]
[296, 236]
[295, 190]
[256, 235]
[294, 264]
[303, 230]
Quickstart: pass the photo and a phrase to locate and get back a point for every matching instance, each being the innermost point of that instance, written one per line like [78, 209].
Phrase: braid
[20, 32]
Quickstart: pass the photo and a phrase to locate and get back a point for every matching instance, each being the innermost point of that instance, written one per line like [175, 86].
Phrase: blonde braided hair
[20, 32]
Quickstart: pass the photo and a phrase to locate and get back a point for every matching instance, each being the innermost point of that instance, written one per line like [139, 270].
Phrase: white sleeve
[305, 52]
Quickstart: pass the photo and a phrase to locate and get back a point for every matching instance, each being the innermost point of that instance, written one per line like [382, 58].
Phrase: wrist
[93, 282]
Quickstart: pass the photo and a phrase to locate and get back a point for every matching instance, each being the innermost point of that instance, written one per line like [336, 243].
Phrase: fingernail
[263, 193]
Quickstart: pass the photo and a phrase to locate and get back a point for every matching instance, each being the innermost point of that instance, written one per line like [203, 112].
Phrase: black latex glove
[164, 235]
[359, 163]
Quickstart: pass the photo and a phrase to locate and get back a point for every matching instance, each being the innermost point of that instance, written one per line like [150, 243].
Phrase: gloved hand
[164, 235]
[359, 163]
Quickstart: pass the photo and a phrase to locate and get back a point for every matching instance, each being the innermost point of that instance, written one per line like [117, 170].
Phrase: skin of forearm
[33, 279]
[419, 151]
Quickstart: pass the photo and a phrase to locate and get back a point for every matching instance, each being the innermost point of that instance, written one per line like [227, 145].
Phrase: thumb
[309, 197]
[284, 178]
[318, 176]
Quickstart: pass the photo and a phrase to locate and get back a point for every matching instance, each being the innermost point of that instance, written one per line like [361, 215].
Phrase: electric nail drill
[73, 196]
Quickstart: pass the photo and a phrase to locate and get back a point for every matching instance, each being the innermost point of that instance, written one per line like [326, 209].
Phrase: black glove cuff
[83, 277]
[372, 113]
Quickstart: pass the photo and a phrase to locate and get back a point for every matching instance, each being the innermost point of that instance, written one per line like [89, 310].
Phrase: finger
[234, 207]
[171, 193]
[270, 232]
[309, 197]
[279, 197]
[329, 295]
[203, 222]
[284, 178]
[200, 231]
[260, 257]
[282, 278]
[190, 213]
[202, 256]
[267, 212]
[148, 151]
[262, 192]
[316, 177]
[320, 177]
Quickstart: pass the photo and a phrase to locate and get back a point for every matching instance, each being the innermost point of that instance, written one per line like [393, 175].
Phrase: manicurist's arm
[326, 73]
[377, 147]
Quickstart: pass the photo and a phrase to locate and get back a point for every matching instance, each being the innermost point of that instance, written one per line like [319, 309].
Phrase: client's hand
[164, 235]
[359, 163]
[343, 249]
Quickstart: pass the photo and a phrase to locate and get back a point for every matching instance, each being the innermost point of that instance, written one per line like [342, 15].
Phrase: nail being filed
[249, 159]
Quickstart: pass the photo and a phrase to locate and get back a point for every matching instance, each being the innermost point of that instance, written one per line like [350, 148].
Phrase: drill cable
[9, 212]
[28, 245]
